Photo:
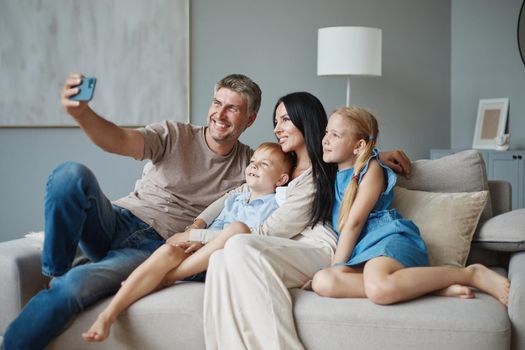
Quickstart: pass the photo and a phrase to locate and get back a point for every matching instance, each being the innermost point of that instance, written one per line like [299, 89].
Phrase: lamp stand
[348, 91]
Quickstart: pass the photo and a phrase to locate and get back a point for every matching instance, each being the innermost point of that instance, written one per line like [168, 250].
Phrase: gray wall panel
[485, 63]
[274, 42]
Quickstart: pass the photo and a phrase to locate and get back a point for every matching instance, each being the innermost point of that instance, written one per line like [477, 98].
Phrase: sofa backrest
[460, 172]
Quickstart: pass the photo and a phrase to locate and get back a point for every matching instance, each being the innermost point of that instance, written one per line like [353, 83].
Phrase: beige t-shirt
[185, 178]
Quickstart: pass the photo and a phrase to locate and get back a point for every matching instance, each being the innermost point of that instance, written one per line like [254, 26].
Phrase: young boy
[269, 168]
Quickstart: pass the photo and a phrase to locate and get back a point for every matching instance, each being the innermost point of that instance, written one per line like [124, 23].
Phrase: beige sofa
[172, 318]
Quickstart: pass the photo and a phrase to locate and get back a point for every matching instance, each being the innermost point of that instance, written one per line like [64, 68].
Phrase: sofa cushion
[430, 323]
[504, 232]
[167, 319]
[460, 172]
[172, 319]
[447, 221]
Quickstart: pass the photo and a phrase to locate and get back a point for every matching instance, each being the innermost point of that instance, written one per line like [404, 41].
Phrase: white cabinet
[509, 166]
[506, 166]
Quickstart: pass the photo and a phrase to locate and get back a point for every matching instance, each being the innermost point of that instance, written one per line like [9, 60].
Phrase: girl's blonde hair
[363, 127]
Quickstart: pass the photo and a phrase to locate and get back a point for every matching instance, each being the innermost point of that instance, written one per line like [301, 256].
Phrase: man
[192, 166]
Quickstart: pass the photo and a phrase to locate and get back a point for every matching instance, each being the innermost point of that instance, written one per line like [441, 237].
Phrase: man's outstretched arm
[105, 134]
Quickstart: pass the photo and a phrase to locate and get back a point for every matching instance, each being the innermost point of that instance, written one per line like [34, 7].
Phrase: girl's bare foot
[99, 330]
[457, 291]
[490, 282]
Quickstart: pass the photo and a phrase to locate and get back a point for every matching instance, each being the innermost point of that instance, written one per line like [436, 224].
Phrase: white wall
[27, 157]
[274, 42]
[485, 63]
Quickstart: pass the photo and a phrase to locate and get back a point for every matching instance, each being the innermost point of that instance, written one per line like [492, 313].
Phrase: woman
[247, 303]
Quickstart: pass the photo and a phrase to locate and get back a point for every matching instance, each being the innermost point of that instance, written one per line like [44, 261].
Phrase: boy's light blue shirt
[237, 208]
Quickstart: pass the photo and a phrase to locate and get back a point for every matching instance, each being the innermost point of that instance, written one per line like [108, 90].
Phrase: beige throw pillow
[447, 221]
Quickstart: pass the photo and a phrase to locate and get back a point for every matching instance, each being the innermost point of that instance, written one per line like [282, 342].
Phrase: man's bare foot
[490, 282]
[457, 291]
[98, 331]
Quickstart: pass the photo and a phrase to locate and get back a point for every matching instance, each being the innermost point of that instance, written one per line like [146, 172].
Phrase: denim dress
[385, 232]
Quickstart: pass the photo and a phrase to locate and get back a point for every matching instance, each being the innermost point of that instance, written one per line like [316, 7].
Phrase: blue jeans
[78, 214]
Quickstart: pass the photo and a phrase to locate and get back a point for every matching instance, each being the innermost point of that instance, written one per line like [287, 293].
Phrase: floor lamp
[349, 51]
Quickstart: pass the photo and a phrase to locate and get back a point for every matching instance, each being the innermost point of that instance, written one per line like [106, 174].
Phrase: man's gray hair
[244, 86]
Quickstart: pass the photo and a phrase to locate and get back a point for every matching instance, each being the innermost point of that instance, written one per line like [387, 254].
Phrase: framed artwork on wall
[490, 123]
[137, 49]
[521, 32]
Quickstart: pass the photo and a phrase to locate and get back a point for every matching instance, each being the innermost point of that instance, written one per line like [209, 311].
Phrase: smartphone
[86, 89]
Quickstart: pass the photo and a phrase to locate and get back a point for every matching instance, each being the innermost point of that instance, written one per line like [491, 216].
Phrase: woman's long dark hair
[309, 116]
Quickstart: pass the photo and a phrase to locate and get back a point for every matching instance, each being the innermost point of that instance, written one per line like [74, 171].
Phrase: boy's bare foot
[457, 291]
[490, 282]
[98, 331]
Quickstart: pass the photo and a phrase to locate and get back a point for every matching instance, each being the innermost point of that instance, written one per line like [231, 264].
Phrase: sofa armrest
[517, 299]
[20, 277]
[500, 196]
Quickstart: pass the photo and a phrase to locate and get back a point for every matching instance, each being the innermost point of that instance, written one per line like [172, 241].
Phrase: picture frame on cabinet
[490, 123]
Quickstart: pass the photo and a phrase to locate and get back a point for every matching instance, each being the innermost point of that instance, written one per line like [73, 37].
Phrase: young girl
[269, 168]
[380, 255]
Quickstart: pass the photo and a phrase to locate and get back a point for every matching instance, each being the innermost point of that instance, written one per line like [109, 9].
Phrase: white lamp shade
[349, 51]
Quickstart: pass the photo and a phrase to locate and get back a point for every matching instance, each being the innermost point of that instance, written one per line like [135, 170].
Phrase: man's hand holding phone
[85, 89]
[104, 133]
[77, 92]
